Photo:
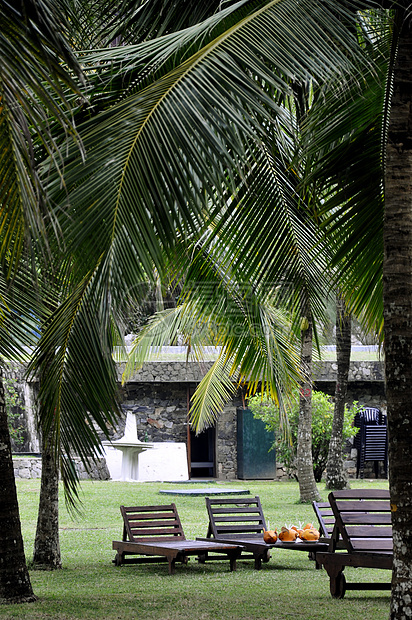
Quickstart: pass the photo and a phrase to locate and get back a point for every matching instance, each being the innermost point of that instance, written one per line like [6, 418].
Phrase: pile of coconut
[290, 534]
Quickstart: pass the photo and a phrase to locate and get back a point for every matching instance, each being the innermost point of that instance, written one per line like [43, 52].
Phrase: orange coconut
[287, 535]
[310, 534]
[270, 536]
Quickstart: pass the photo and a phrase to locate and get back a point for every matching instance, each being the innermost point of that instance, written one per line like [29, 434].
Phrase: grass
[90, 586]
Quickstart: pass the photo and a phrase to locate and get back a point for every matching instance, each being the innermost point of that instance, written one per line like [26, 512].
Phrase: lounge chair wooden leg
[233, 555]
[258, 562]
[119, 559]
[340, 586]
[172, 562]
[312, 558]
[337, 581]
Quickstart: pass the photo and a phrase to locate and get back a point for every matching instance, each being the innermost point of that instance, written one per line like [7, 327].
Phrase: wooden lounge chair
[241, 521]
[155, 533]
[362, 536]
[325, 517]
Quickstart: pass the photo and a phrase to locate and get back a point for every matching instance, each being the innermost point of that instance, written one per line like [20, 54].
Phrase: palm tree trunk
[397, 287]
[304, 463]
[46, 553]
[15, 586]
[335, 475]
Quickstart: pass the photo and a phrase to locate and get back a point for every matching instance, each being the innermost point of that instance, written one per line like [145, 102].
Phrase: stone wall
[27, 467]
[369, 468]
[282, 472]
[168, 372]
[30, 467]
[193, 372]
[368, 394]
[359, 371]
[160, 409]
[226, 442]
[158, 395]
[95, 471]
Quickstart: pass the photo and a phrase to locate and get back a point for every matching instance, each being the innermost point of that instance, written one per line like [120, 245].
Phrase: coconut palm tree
[140, 159]
[94, 25]
[335, 474]
[229, 268]
[158, 146]
[32, 85]
[183, 132]
[397, 278]
[270, 193]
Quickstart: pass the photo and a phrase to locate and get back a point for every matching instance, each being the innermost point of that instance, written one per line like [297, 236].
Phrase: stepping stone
[205, 491]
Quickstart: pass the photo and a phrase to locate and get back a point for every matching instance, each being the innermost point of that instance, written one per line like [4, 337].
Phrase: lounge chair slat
[362, 529]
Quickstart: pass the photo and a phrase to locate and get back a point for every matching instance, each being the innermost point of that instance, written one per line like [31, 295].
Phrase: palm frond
[212, 394]
[186, 132]
[253, 338]
[77, 376]
[257, 350]
[116, 72]
[271, 236]
[156, 161]
[21, 312]
[346, 129]
[185, 323]
[139, 20]
[32, 104]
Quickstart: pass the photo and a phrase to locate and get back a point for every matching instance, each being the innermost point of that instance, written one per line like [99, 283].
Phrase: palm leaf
[140, 192]
[139, 20]
[253, 338]
[21, 311]
[81, 404]
[32, 103]
[155, 162]
[212, 394]
[347, 129]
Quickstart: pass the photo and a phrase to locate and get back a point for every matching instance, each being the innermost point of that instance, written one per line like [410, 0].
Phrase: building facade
[159, 396]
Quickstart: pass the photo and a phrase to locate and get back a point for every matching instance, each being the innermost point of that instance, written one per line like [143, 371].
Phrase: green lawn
[90, 586]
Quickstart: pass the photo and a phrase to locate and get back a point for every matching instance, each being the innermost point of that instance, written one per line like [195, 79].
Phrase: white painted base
[113, 461]
[164, 462]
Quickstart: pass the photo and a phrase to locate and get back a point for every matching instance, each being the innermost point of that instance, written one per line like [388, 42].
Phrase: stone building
[159, 396]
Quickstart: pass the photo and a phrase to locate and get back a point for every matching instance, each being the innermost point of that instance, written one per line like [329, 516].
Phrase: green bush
[286, 439]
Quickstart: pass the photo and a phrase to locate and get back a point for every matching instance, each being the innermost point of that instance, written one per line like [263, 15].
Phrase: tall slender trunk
[15, 586]
[304, 463]
[46, 553]
[397, 288]
[335, 474]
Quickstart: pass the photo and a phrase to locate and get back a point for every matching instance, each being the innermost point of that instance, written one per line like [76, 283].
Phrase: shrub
[286, 438]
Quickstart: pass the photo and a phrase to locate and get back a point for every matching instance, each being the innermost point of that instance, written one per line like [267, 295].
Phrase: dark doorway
[202, 451]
